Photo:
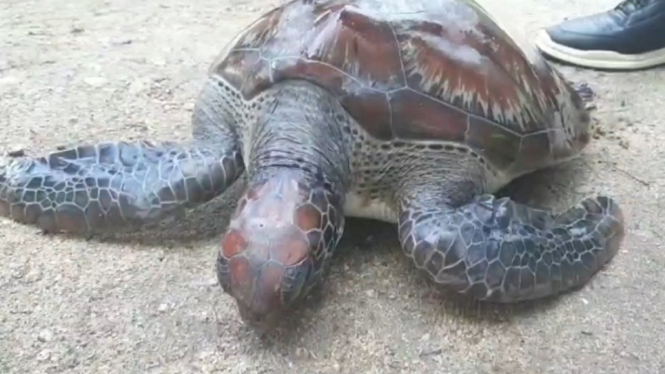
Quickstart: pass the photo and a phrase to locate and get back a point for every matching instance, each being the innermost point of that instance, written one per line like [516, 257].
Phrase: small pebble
[43, 355]
[8, 80]
[17, 270]
[95, 81]
[162, 307]
[45, 336]
[19, 152]
[138, 86]
[32, 276]
[121, 41]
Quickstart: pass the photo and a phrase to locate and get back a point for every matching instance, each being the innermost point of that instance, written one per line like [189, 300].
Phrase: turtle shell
[434, 70]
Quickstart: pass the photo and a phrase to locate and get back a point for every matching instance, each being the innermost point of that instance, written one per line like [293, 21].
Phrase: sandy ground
[149, 303]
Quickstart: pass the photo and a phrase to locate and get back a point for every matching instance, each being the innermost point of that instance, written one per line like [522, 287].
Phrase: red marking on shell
[233, 243]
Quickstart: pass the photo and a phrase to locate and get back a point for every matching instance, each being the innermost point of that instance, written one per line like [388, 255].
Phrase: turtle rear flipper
[501, 251]
[109, 185]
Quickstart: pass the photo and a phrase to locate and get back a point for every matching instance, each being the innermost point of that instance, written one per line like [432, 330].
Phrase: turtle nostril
[255, 223]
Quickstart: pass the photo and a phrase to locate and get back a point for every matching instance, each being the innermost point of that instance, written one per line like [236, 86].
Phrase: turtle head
[277, 242]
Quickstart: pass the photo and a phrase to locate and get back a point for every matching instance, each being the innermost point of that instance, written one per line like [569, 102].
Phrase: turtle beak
[261, 323]
[267, 275]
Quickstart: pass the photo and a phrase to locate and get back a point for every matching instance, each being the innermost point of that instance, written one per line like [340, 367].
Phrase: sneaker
[630, 36]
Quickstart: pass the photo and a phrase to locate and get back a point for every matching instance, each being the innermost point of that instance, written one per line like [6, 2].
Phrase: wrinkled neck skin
[299, 130]
[289, 220]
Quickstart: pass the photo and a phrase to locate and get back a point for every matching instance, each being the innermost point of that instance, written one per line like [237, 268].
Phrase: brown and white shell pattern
[416, 70]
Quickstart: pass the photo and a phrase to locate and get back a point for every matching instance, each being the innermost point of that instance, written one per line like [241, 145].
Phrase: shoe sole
[598, 59]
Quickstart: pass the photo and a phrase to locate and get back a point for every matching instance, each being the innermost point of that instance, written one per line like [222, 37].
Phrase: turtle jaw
[261, 323]
[264, 290]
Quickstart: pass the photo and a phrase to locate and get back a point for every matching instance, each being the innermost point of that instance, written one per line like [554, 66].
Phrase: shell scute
[242, 69]
[373, 109]
[360, 45]
[468, 69]
[493, 141]
[416, 116]
[538, 145]
[339, 47]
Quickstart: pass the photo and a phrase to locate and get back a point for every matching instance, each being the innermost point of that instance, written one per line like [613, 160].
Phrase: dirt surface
[148, 302]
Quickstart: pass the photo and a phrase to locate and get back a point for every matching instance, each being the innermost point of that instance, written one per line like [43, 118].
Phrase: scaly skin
[500, 251]
[110, 185]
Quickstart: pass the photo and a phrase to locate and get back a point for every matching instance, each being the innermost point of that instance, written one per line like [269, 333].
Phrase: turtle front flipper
[501, 251]
[95, 187]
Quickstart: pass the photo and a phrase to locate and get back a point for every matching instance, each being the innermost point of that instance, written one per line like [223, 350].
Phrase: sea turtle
[408, 111]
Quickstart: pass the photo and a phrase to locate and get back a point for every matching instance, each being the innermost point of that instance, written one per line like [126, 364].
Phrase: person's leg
[630, 36]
